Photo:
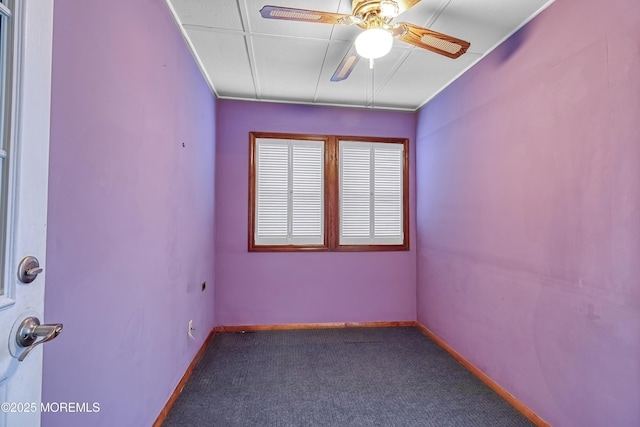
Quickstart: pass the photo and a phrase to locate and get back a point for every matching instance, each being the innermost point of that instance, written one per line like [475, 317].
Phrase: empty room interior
[519, 246]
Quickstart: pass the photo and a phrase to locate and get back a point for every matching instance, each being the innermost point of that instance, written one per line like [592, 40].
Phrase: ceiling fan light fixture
[374, 43]
[389, 8]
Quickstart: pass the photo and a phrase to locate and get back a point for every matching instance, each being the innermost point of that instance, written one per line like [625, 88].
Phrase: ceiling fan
[375, 17]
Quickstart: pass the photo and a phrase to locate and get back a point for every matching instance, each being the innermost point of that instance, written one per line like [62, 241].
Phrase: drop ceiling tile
[345, 32]
[422, 13]
[224, 57]
[484, 24]
[344, 6]
[207, 13]
[287, 68]
[421, 75]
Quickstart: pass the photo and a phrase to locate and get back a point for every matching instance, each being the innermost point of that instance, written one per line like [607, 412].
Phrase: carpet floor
[335, 377]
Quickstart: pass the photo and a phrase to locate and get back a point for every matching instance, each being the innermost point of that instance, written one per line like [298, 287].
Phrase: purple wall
[528, 208]
[131, 211]
[284, 288]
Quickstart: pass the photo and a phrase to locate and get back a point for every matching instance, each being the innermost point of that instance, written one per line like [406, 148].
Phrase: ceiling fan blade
[431, 40]
[347, 65]
[303, 15]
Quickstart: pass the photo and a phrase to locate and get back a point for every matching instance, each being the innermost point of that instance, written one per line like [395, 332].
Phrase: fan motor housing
[369, 11]
[363, 7]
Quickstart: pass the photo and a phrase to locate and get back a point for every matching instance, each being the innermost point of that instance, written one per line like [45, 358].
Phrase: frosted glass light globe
[374, 43]
[389, 8]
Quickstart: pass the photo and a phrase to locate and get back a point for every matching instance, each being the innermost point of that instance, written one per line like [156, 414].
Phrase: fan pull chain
[369, 84]
[366, 89]
[372, 82]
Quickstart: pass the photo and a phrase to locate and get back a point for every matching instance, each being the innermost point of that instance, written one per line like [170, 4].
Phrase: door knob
[29, 269]
[30, 330]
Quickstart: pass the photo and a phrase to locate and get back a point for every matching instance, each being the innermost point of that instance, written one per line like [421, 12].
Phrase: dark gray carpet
[335, 377]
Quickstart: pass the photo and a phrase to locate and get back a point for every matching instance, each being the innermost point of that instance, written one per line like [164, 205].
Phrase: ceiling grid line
[251, 57]
[395, 69]
[434, 17]
[266, 35]
[324, 60]
[322, 67]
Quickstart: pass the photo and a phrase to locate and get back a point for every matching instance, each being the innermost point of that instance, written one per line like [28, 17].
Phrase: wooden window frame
[331, 196]
[335, 213]
[252, 192]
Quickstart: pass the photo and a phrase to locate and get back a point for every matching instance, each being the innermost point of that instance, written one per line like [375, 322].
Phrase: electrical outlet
[191, 329]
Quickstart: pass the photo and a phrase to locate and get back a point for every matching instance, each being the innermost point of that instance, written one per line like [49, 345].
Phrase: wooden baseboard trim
[334, 325]
[172, 399]
[511, 399]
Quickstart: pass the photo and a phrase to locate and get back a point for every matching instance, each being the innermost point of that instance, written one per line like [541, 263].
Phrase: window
[316, 192]
[371, 193]
[6, 68]
[289, 198]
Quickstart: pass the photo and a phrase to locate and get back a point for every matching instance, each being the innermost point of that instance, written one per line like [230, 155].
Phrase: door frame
[29, 121]
[27, 198]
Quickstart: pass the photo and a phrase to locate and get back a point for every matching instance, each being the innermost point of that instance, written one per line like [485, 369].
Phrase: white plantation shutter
[272, 192]
[307, 192]
[371, 193]
[387, 190]
[355, 191]
[289, 192]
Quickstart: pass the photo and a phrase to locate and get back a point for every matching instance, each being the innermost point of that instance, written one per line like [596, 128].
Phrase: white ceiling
[244, 56]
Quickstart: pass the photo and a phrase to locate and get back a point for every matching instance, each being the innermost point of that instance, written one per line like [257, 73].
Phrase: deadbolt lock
[29, 269]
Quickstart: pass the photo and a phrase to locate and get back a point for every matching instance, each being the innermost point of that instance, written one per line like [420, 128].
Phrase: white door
[26, 41]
